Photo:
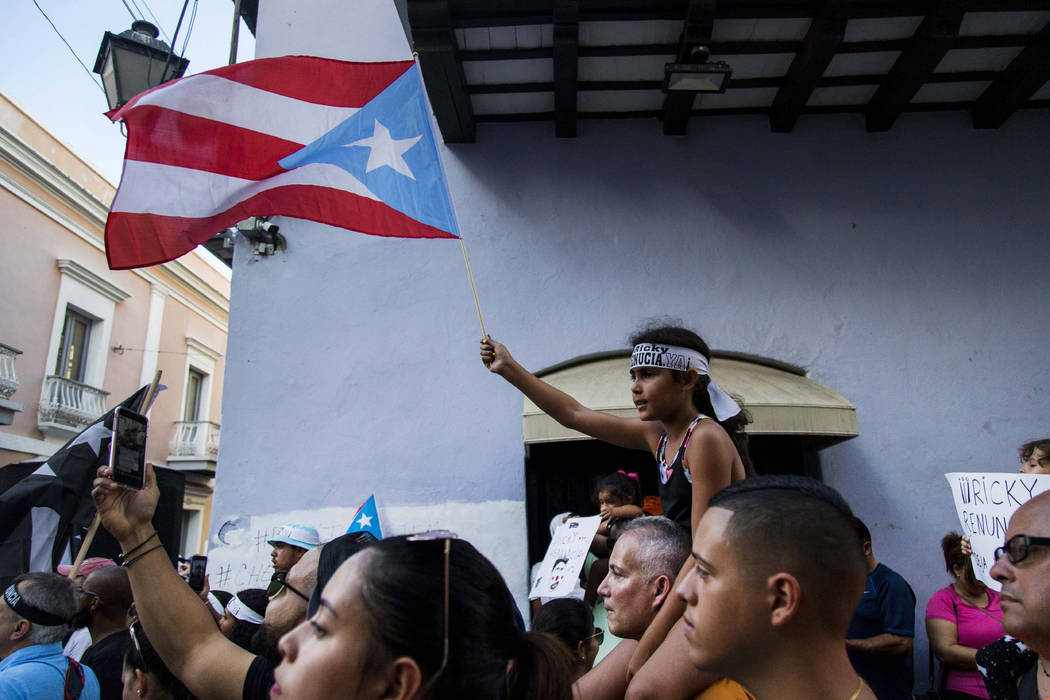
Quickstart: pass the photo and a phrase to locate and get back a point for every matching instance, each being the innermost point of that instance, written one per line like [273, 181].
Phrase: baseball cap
[296, 535]
[87, 566]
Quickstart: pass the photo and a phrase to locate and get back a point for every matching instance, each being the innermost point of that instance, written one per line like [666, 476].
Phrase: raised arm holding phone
[178, 624]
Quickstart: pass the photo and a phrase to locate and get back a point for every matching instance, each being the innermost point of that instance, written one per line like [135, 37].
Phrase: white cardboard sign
[565, 556]
[985, 501]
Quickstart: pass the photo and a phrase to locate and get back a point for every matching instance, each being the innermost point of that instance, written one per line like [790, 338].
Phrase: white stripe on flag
[45, 527]
[197, 193]
[227, 101]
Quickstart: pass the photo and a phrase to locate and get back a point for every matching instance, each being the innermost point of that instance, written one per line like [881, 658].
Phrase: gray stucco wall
[906, 270]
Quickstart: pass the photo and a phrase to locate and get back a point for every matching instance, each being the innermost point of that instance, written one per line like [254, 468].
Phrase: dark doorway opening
[561, 476]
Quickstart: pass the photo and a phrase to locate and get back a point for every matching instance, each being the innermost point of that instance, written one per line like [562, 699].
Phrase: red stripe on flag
[344, 84]
[159, 135]
[322, 81]
[139, 240]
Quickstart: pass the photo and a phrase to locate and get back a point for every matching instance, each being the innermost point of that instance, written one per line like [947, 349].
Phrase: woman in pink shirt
[960, 619]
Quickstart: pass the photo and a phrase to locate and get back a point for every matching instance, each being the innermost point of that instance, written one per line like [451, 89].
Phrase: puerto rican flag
[341, 143]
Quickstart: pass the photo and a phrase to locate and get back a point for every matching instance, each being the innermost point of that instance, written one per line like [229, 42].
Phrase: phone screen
[127, 451]
[198, 564]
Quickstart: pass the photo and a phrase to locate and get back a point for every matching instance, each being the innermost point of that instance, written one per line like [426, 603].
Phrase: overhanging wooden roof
[565, 60]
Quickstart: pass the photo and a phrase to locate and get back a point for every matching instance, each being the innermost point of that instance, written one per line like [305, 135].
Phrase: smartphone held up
[127, 449]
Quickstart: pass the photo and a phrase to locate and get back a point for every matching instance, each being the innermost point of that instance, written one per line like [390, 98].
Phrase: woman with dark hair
[419, 617]
[571, 621]
[960, 619]
[244, 614]
[145, 675]
[692, 428]
[1035, 457]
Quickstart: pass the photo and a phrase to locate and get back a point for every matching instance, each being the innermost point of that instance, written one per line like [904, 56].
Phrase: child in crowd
[618, 502]
[692, 428]
[617, 497]
[1035, 457]
[244, 614]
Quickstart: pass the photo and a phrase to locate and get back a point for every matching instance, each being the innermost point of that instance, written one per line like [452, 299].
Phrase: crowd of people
[746, 587]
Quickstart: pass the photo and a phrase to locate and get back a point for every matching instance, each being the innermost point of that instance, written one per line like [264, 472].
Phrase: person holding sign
[960, 619]
[689, 425]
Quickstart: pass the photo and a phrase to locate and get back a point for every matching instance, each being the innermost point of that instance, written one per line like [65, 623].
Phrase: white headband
[239, 610]
[683, 360]
[215, 603]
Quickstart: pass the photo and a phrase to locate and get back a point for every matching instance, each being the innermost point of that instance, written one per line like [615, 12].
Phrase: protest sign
[565, 556]
[984, 503]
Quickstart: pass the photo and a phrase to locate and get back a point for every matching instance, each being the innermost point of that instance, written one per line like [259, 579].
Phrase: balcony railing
[67, 405]
[8, 375]
[196, 439]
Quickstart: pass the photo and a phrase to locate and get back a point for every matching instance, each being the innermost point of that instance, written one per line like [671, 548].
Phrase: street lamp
[135, 61]
[700, 75]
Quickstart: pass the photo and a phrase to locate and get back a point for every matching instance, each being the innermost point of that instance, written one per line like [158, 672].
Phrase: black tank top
[676, 483]
[1028, 688]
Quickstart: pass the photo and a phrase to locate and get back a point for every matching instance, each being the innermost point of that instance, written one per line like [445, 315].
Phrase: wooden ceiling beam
[435, 42]
[1028, 72]
[935, 36]
[807, 68]
[566, 65]
[699, 23]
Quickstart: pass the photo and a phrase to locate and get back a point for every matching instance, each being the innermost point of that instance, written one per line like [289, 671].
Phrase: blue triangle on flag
[389, 146]
[366, 519]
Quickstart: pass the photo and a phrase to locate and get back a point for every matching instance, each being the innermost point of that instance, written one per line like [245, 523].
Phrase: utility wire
[189, 28]
[155, 20]
[141, 14]
[86, 70]
[128, 8]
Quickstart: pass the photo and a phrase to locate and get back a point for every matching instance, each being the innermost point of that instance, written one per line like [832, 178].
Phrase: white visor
[239, 610]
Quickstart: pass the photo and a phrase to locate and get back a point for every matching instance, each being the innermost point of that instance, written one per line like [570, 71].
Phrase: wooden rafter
[934, 37]
[699, 22]
[435, 42]
[1029, 70]
[566, 52]
[818, 48]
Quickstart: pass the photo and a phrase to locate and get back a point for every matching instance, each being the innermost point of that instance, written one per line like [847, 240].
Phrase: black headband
[32, 613]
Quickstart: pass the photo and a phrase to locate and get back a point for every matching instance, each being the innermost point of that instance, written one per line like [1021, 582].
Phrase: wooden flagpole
[90, 536]
[470, 276]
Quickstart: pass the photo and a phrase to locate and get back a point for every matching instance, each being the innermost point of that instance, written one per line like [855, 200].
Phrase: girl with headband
[691, 427]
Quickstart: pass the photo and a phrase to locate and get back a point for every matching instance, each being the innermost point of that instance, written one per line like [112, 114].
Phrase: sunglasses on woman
[447, 536]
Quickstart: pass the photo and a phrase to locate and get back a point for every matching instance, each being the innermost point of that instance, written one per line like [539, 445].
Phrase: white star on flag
[93, 436]
[365, 520]
[386, 150]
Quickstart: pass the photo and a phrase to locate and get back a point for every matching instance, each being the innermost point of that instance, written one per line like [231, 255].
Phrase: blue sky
[42, 77]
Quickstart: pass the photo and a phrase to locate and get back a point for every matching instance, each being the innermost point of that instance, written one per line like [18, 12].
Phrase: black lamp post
[135, 61]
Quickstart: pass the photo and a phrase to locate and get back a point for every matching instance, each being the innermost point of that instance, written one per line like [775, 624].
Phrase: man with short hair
[1019, 664]
[290, 543]
[34, 618]
[105, 599]
[179, 625]
[778, 574]
[882, 631]
[643, 565]
[80, 640]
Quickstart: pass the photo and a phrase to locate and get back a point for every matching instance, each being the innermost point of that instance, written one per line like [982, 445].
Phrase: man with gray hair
[34, 619]
[643, 565]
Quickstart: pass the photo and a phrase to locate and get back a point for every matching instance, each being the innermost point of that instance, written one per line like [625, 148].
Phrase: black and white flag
[44, 504]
